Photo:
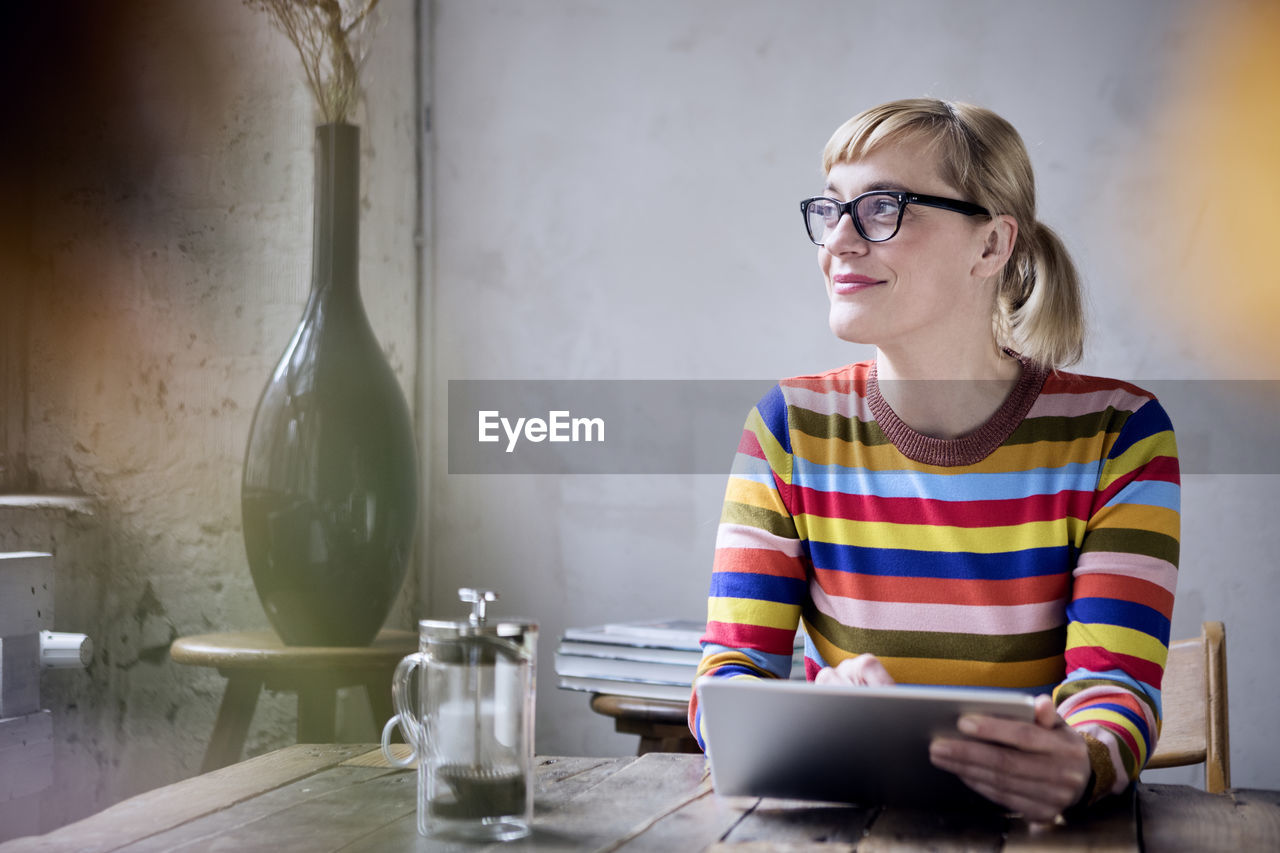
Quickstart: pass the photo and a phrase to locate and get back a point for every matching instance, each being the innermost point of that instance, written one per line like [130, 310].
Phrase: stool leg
[316, 709]
[234, 715]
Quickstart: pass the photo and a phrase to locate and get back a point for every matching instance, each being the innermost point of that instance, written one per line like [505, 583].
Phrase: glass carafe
[471, 732]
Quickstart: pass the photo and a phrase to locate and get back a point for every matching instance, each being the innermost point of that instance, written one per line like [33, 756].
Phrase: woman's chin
[850, 329]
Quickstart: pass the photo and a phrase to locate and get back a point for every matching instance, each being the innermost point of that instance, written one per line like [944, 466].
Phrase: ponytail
[1039, 312]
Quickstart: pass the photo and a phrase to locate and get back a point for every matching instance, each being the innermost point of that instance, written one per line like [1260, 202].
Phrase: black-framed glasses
[877, 215]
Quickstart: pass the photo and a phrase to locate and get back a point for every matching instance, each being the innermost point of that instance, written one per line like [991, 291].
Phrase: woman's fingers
[1037, 796]
[1037, 768]
[1010, 768]
[1028, 737]
[1046, 714]
[863, 670]
[1049, 733]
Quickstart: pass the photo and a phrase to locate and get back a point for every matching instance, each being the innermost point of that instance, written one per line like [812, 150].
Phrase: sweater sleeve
[758, 578]
[1122, 600]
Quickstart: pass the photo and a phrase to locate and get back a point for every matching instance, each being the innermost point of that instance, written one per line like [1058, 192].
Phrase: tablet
[841, 743]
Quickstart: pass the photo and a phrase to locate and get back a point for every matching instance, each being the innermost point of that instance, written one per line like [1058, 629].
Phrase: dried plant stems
[331, 42]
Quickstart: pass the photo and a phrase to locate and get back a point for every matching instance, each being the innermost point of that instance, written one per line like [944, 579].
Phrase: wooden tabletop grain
[345, 798]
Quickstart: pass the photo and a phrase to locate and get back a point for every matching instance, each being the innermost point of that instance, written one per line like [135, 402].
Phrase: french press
[472, 731]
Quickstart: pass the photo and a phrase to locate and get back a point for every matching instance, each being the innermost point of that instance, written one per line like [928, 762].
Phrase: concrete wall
[158, 231]
[614, 190]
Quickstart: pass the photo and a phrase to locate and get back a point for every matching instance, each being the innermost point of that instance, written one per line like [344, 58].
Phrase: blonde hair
[1038, 310]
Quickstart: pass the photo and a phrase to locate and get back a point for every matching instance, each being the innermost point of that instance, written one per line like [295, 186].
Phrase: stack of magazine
[652, 660]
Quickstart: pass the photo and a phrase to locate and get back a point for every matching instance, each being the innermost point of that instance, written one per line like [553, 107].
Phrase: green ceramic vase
[329, 492]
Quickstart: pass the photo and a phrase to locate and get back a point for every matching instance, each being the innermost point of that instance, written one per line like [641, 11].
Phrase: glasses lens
[821, 217]
[878, 214]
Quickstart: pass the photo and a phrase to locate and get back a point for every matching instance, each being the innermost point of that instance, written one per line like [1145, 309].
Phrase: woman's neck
[947, 393]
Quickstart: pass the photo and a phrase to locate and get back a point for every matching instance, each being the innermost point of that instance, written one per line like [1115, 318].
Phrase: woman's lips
[850, 283]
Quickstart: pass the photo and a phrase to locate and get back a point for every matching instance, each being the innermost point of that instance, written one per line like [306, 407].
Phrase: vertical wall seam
[424, 386]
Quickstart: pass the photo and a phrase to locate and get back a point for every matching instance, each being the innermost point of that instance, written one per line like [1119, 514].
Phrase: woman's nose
[844, 237]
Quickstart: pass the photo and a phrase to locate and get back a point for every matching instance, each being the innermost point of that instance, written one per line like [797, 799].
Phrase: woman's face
[920, 288]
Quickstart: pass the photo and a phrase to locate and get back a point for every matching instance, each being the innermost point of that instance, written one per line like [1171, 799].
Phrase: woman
[958, 510]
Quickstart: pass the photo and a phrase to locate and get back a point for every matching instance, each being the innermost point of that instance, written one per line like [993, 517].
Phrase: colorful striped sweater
[1038, 553]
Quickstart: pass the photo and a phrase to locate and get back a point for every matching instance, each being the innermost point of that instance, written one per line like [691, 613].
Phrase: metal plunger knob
[479, 600]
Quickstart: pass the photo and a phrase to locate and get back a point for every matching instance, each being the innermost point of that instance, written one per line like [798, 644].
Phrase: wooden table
[253, 660]
[344, 797]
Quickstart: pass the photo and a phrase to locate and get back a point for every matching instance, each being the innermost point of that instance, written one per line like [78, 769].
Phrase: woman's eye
[885, 207]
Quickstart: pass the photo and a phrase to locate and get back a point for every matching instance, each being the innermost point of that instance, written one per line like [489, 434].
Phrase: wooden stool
[252, 660]
[662, 725]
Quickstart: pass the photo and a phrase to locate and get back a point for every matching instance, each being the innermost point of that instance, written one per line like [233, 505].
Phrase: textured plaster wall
[648, 158]
[160, 236]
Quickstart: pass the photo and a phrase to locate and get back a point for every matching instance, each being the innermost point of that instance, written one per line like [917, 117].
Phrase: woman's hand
[1037, 769]
[864, 671]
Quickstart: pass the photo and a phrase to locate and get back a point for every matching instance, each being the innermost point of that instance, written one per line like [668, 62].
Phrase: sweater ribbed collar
[968, 449]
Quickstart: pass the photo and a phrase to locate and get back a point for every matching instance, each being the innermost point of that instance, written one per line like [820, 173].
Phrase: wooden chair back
[1194, 698]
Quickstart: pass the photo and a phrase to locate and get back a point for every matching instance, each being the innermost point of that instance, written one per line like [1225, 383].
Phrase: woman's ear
[1001, 234]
